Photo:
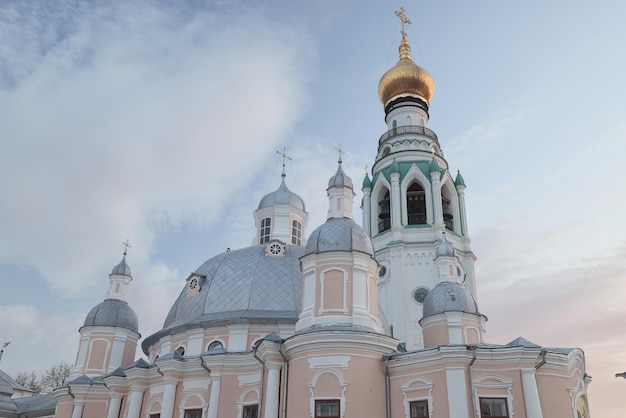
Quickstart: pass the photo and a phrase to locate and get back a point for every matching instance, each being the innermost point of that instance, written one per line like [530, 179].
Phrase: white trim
[415, 174]
[501, 383]
[408, 388]
[342, 398]
[105, 358]
[344, 308]
[240, 402]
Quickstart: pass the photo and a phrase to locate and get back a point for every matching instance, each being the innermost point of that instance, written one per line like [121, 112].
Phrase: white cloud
[127, 123]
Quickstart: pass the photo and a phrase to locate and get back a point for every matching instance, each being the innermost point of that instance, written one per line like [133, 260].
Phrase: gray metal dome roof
[240, 287]
[282, 196]
[449, 296]
[122, 268]
[339, 234]
[112, 313]
[340, 179]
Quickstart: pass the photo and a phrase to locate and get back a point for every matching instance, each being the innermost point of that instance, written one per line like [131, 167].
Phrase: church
[377, 320]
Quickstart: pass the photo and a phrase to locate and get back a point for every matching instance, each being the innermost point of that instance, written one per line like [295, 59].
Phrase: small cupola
[281, 215]
[340, 193]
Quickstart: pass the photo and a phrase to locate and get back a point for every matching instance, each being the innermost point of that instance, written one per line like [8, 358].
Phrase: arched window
[416, 204]
[384, 211]
[266, 227]
[214, 344]
[181, 350]
[296, 232]
[446, 208]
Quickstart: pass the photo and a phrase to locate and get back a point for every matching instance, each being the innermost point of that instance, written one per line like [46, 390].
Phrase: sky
[159, 122]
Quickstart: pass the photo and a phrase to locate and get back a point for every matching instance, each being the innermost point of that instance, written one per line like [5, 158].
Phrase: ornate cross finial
[458, 167]
[126, 245]
[285, 158]
[340, 151]
[403, 19]
[366, 172]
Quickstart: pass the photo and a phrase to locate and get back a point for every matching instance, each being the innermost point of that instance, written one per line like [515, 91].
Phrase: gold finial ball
[405, 79]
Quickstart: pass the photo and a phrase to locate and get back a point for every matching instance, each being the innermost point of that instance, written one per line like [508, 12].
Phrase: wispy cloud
[114, 120]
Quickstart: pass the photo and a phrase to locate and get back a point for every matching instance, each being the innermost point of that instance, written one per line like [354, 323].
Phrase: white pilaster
[134, 401]
[114, 406]
[366, 210]
[461, 191]
[395, 206]
[435, 185]
[457, 393]
[169, 395]
[531, 394]
[214, 400]
[273, 389]
[77, 412]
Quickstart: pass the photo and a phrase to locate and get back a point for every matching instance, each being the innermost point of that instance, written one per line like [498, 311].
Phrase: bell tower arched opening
[416, 204]
[384, 210]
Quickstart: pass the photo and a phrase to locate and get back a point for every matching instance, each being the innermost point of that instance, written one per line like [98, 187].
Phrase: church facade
[379, 320]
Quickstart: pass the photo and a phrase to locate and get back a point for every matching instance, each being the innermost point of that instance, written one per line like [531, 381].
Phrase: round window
[275, 249]
[382, 271]
[419, 294]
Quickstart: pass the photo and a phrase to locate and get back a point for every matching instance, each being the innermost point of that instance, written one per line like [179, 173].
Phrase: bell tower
[411, 199]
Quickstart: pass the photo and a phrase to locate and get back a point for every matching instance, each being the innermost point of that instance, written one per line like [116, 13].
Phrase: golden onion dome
[405, 79]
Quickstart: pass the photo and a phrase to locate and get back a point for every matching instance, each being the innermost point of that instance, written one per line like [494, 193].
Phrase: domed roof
[122, 268]
[340, 179]
[282, 196]
[405, 78]
[240, 287]
[449, 296]
[112, 313]
[339, 234]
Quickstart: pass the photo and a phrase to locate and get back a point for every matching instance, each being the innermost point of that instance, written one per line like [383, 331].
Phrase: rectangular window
[266, 227]
[494, 408]
[327, 408]
[296, 232]
[193, 413]
[419, 409]
[250, 411]
[155, 415]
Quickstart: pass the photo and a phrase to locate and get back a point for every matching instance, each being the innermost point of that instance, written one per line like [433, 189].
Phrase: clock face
[276, 249]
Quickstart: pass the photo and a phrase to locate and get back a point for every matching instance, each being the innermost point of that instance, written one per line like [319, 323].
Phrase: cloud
[124, 124]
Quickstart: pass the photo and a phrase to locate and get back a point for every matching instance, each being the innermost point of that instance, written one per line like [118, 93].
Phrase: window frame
[194, 411]
[416, 201]
[328, 402]
[296, 232]
[420, 402]
[265, 230]
[494, 398]
[248, 408]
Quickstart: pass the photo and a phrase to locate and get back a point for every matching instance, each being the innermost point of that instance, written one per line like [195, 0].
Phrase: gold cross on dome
[366, 172]
[126, 245]
[340, 151]
[285, 158]
[403, 19]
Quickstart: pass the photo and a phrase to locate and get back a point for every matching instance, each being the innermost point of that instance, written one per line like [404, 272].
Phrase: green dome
[459, 179]
[367, 183]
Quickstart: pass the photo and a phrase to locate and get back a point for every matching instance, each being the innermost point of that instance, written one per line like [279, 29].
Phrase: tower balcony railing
[408, 129]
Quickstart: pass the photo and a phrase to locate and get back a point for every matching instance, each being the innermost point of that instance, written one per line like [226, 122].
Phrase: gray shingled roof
[449, 296]
[242, 286]
[339, 234]
[282, 196]
[39, 403]
[112, 313]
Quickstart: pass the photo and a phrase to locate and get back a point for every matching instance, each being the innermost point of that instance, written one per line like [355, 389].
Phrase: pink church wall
[98, 355]
[95, 409]
[129, 353]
